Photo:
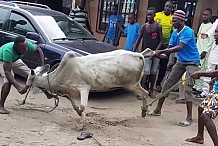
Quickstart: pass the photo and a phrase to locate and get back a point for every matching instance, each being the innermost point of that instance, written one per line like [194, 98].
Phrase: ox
[95, 72]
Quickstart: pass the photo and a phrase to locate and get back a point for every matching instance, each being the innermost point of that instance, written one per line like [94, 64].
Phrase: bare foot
[196, 139]
[3, 111]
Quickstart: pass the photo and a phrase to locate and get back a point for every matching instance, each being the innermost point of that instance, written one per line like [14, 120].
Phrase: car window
[3, 16]
[19, 24]
[63, 27]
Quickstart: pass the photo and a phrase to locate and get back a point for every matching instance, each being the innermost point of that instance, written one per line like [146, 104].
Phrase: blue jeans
[151, 65]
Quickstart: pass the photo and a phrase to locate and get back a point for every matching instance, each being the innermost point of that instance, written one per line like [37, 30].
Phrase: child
[151, 33]
[132, 32]
[112, 34]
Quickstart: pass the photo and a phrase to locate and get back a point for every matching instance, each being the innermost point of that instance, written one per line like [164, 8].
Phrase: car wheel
[54, 67]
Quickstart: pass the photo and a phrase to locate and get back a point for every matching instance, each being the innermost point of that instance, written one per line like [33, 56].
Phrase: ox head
[39, 71]
[148, 52]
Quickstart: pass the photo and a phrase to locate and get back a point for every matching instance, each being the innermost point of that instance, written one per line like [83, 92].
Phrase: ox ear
[44, 69]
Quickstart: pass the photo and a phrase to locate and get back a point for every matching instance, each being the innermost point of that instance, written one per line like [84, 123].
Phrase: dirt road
[114, 119]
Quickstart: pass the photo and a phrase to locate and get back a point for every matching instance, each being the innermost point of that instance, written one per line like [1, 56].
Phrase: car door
[18, 25]
[4, 14]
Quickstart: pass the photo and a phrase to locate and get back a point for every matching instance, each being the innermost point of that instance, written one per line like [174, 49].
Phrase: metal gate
[105, 10]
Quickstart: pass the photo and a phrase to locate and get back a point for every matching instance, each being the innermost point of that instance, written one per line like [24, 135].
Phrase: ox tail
[148, 53]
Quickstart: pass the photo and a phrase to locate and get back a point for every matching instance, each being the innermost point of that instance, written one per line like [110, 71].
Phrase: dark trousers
[163, 67]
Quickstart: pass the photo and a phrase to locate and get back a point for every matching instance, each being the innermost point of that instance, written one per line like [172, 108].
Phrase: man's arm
[160, 34]
[7, 69]
[138, 40]
[171, 50]
[197, 75]
[120, 27]
[105, 32]
[40, 54]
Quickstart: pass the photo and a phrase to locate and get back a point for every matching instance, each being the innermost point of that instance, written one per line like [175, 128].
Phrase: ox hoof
[139, 98]
[144, 113]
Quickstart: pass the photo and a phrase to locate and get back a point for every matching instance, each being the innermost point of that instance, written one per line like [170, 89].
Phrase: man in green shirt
[10, 61]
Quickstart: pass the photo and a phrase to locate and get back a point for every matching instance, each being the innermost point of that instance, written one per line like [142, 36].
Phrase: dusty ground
[114, 119]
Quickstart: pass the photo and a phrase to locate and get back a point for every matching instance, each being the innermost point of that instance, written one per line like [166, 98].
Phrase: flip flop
[152, 113]
[185, 123]
[85, 135]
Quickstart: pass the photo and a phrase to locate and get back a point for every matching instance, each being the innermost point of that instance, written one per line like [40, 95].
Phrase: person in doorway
[81, 16]
[151, 33]
[208, 109]
[10, 62]
[204, 46]
[183, 42]
[131, 31]
[164, 18]
[113, 33]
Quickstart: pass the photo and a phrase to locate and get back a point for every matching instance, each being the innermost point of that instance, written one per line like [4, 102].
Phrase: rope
[159, 96]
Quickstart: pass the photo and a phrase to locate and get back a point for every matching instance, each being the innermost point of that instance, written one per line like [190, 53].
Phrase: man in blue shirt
[183, 42]
[112, 30]
[132, 32]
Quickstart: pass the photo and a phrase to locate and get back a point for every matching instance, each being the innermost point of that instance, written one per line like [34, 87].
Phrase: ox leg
[84, 102]
[138, 90]
[75, 107]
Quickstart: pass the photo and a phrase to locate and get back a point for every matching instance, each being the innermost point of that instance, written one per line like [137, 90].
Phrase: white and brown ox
[96, 72]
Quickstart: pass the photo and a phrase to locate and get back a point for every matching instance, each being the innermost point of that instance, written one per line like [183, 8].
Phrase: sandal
[85, 135]
[153, 113]
[185, 123]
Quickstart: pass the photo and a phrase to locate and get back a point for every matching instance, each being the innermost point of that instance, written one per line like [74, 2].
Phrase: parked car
[54, 32]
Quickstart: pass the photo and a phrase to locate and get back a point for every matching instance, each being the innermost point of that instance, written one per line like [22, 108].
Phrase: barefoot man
[208, 109]
[10, 62]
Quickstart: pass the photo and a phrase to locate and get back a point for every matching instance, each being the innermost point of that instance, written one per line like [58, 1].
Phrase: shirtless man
[151, 33]
[208, 109]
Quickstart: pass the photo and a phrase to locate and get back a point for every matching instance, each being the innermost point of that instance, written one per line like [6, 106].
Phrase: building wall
[92, 8]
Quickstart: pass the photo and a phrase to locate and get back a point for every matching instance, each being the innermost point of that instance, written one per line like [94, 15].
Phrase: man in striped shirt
[81, 16]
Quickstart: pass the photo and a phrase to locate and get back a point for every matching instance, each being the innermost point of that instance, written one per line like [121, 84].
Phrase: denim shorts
[151, 65]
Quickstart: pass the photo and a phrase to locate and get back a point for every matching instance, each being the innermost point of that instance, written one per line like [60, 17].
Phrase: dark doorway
[188, 6]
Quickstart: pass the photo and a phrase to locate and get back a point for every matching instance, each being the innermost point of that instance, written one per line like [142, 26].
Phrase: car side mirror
[33, 36]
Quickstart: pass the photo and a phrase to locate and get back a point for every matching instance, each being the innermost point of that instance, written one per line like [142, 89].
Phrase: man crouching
[10, 62]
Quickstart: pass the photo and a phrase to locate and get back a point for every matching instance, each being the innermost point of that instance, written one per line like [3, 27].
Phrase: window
[105, 9]
[18, 24]
[188, 6]
[3, 16]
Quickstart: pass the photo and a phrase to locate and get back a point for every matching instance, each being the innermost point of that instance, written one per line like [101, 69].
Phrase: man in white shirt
[212, 63]
[204, 46]
[211, 31]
